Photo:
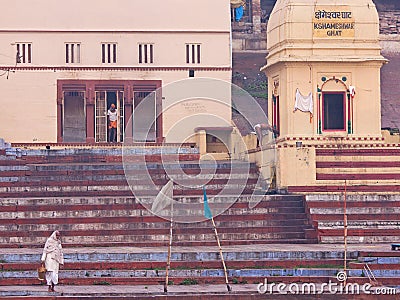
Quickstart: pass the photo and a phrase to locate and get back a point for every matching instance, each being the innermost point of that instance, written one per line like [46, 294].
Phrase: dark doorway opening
[334, 111]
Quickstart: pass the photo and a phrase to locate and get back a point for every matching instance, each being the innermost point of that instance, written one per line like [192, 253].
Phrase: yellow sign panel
[333, 22]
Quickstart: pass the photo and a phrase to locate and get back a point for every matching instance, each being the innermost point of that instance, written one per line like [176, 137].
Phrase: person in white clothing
[112, 124]
[52, 258]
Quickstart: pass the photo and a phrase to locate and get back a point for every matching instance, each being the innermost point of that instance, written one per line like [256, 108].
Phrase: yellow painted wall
[301, 56]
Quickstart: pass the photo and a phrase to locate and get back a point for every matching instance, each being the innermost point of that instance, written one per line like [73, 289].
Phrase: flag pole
[221, 255]
[208, 215]
[169, 251]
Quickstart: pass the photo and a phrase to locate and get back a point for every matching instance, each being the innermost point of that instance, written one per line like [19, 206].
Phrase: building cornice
[111, 68]
[114, 31]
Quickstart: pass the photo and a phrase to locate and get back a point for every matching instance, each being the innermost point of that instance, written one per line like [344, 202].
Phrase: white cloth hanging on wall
[304, 103]
[352, 90]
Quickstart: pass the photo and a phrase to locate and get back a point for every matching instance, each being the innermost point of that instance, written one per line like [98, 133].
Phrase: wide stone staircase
[372, 168]
[110, 238]
[370, 218]
[84, 194]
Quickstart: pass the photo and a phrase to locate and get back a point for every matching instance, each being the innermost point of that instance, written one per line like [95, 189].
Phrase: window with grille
[72, 53]
[109, 53]
[146, 53]
[193, 53]
[24, 53]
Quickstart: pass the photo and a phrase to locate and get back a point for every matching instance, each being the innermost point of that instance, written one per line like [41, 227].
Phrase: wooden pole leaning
[221, 255]
[169, 250]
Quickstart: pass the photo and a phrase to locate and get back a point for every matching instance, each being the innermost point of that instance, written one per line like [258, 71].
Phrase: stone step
[82, 203]
[377, 237]
[120, 175]
[375, 266]
[357, 210]
[135, 208]
[160, 265]
[376, 260]
[352, 204]
[358, 152]
[358, 176]
[277, 220]
[100, 237]
[188, 273]
[362, 198]
[217, 291]
[159, 280]
[287, 200]
[104, 190]
[354, 217]
[233, 166]
[357, 164]
[117, 225]
[379, 254]
[283, 241]
[378, 273]
[263, 252]
[159, 180]
[355, 187]
[124, 210]
[377, 225]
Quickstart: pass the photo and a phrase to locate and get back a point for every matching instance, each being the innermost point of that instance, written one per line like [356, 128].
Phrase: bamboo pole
[220, 254]
[169, 251]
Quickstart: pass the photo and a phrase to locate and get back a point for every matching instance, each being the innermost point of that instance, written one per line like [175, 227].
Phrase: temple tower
[323, 69]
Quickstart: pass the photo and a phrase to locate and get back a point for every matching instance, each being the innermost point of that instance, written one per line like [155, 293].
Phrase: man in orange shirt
[112, 124]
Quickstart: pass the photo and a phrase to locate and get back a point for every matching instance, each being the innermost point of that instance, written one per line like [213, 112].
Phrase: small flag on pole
[164, 198]
[207, 210]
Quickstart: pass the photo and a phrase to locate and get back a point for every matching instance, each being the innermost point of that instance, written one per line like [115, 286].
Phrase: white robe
[51, 264]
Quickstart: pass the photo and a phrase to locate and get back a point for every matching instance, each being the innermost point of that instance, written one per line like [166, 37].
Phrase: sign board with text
[333, 22]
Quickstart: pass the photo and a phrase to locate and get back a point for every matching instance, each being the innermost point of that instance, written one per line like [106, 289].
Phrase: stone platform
[196, 272]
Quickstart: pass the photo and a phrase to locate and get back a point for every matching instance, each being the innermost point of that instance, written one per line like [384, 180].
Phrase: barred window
[146, 53]
[24, 53]
[72, 53]
[109, 53]
[193, 53]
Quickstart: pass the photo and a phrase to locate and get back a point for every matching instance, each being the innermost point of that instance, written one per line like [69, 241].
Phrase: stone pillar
[90, 113]
[202, 142]
[256, 16]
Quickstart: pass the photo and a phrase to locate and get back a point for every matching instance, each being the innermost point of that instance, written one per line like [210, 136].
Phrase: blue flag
[238, 13]
[207, 210]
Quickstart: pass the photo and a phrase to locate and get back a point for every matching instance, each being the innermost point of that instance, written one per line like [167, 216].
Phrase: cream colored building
[64, 64]
[323, 69]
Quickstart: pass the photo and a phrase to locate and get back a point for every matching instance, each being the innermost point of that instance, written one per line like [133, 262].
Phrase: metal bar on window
[151, 54]
[18, 58]
[67, 53]
[29, 53]
[145, 54]
[72, 53]
[78, 53]
[108, 53]
[193, 54]
[23, 53]
[114, 53]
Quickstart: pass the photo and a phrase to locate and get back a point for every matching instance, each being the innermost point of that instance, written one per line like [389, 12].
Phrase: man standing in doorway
[112, 124]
